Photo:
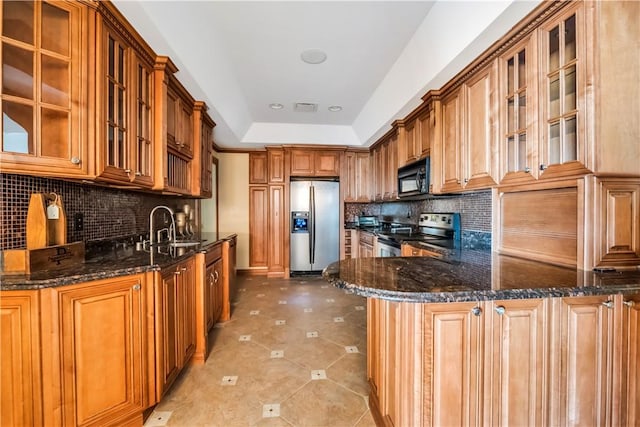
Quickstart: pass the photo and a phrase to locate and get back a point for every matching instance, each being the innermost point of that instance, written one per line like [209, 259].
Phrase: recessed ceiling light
[276, 106]
[313, 56]
[335, 108]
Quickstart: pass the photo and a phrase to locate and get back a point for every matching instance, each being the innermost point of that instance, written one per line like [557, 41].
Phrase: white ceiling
[382, 56]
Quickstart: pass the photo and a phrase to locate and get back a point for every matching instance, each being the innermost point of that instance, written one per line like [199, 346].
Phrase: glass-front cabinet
[44, 88]
[124, 149]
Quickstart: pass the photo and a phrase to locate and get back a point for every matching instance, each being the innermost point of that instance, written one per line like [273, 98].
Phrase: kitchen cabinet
[258, 223]
[209, 299]
[315, 162]
[277, 231]
[203, 142]
[276, 162]
[415, 134]
[351, 244]
[45, 88]
[173, 124]
[407, 249]
[356, 176]
[124, 102]
[467, 150]
[99, 340]
[229, 272]
[20, 360]
[385, 167]
[175, 322]
[626, 390]
[258, 168]
[366, 244]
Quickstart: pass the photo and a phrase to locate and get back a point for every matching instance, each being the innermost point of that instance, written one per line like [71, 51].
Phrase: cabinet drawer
[214, 253]
[366, 238]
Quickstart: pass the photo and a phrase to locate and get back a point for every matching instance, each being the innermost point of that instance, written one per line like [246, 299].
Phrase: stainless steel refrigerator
[315, 226]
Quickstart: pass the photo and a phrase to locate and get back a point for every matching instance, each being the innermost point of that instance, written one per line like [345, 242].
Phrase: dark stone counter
[111, 261]
[472, 276]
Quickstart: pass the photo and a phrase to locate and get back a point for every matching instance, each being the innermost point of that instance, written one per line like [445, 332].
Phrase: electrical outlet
[78, 221]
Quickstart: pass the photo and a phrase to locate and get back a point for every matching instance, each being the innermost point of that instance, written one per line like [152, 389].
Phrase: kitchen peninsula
[487, 339]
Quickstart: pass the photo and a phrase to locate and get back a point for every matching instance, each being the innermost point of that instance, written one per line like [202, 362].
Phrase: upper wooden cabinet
[258, 168]
[276, 162]
[416, 133]
[315, 162]
[124, 102]
[46, 82]
[203, 143]
[467, 149]
[174, 124]
[356, 176]
[384, 161]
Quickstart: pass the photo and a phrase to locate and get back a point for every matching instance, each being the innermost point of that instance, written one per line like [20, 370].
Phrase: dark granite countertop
[110, 261]
[472, 276]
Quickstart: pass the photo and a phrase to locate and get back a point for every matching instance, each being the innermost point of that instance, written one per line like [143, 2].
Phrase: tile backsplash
[108, 213]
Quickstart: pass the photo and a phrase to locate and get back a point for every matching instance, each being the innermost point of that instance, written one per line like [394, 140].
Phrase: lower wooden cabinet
[175, 322]
[95, 370]
[366, 244]
[21, 391]
[553, 361]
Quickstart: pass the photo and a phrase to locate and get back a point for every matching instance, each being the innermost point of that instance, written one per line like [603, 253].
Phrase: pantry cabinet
[20, 361]
[124, 102]
[175, 322]
[46, 82]
[276, 230]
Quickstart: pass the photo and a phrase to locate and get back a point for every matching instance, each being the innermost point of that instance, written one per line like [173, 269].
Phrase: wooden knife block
[41, 231]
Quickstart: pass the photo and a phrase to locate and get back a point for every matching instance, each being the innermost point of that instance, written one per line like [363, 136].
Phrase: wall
[474, 209]
[108, 213]
[233, 201]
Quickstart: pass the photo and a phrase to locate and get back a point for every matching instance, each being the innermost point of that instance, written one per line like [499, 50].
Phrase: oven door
[387, 248]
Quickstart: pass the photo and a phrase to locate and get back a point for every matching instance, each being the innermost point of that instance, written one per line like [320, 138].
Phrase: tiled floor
[294, 354]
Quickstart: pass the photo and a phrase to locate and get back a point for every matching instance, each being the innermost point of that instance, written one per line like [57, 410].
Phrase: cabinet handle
[138, 173]
[466, 180]
[127, 171]
[527, 169]
[216, 275]
[136, 287]
[177, 273]
[213, 279]
[543, 167]
[500, 309]
[477, 311]
[75, 160]
[608, 304]
[629, 303]
[184, 269]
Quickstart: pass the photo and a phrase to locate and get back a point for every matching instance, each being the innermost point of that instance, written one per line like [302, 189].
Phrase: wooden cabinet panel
[452, 364]
[102, 353]
[21, 391]
[276, 230]
[302, 163]
[203, 153]
[258, 168]
[356, 177]
[258, 225]
[187, 312]
[327, 163]
[627, 389]
[228, 279]
[450, 174]
[276, 166]
[45, 87]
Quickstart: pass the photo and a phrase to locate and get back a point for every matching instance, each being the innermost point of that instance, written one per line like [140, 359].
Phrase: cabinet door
[258, 225]
[629, 379]
[424, 134]
[515, 362]
[276, 230]
[407, 149]
[203, 156]
[378, 173]
[452, 365]
[348, 178]
[218, 294]
[186, 311]
[141, 168]
[518, 113]
[185, 129]
[276, 166]
[391, 166]
[44, 59]
[209, 296]
[581, 376]
[362, 177]
[101, 332]
[563, 90]
[258, 168]
[450, 177]
[326, 163]
[168, 353]
[302, 163]
[479, 164]
[21, 391]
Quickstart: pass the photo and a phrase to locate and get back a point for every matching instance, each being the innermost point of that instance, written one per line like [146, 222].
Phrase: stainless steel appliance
[414, 179]
[315, 226]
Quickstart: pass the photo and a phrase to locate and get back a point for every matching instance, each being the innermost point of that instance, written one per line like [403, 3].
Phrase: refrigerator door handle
[312, 224]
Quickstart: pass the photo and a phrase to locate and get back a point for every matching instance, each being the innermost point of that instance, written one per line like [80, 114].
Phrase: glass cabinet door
[41, 80]
[142, 147]
[117, 147]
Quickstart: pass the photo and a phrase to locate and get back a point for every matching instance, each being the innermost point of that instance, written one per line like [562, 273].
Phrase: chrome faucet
[172, 229]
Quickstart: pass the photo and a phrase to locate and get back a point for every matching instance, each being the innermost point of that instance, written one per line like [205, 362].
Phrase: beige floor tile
[350, 371]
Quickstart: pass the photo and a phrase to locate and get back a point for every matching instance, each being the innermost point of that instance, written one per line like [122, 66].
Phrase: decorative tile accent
[254, 312]
[244, 338]
[280, 322]
[338, 319]
[229, 380]
[359, 307]
[271, 410]
[284, 288]
[277, 354]
[308, 310]
[312, 334]
[351, 349]
[324, 287]
[282, 302]
[260, 296]
[330, 300]
[158, 419]
[318, 374]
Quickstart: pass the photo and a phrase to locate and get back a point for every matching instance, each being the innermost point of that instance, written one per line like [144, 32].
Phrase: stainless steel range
[439, 231]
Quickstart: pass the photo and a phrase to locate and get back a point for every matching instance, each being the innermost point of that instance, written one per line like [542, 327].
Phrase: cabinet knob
[527, 169]
[177, 273]
[608, 304]
[75, 160]
[477, 311]
[136, 287]
[127, 171]
[466, 180]
[543, 167]
[138, 173]
[500, 309]
[629, 303]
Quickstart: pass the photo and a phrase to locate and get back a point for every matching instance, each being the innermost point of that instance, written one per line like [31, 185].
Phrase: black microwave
[413, 179]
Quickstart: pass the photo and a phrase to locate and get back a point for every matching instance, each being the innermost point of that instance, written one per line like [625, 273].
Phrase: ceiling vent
[305, 107]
